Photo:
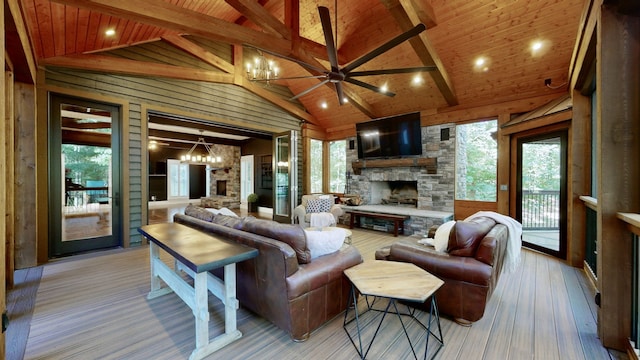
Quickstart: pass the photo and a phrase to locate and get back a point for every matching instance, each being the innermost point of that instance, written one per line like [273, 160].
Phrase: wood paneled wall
[26, 250]
[3, 185]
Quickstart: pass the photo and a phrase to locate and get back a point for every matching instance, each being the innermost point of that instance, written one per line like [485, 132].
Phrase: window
[178, 179]
[476, 161]
[315, 165]
[337, 166]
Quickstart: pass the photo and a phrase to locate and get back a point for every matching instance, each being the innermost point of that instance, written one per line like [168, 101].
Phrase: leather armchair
[303, 218]
[470, 275]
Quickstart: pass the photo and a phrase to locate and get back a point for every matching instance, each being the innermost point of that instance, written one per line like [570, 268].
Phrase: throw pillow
[198, 213]
[323, 242]
[466, 235]
[441, 237]
[318, 205]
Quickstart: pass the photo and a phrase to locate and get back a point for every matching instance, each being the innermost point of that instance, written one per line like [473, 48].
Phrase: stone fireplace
[399, 193]
[434, 189]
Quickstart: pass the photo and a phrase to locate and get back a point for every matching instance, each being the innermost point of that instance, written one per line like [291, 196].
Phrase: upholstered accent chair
[316, 204]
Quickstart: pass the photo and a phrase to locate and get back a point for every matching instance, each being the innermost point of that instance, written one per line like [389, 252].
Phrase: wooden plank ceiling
[68, 32]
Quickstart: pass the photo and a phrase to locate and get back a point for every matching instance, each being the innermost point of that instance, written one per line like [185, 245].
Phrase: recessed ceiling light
[110, 32]
[417, 80]
[324, 105]
[481, 64]
[536, 45]
[384, 88]
[539, 47]
[345, 99]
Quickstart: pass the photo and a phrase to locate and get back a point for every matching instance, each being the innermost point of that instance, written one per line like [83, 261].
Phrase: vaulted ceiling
[71, 33]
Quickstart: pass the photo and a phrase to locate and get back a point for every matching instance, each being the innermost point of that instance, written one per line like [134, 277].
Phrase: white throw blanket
[322, 219]
[512, 257]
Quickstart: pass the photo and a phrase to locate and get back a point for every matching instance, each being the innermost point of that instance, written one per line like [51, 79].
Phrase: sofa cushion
[293, 235]
[230, 221]
[198, 213]
[318, 205]
[466, 235]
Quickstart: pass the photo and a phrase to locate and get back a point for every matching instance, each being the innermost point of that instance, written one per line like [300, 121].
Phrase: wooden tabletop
[198, 250]
[391, 279]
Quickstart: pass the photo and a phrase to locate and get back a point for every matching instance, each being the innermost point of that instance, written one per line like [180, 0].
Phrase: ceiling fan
[337, 75]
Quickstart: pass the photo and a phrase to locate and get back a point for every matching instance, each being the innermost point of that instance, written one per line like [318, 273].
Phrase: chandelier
[207, 158]
[262, 69]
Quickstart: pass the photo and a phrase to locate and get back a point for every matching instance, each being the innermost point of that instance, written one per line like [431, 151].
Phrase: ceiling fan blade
[392, 71]
[310, 89]
[340, 93]
[299, 62]
[325, 19]
[369, 86]
[385, 47]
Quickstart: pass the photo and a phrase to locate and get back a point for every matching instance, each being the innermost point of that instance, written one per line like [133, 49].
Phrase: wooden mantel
[430, 163]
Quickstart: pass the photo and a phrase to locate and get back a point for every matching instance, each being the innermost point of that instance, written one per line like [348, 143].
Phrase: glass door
[285, 169]
[84, 176]
[246, 178]
[541, 192]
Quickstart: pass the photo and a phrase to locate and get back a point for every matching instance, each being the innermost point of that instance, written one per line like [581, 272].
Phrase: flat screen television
[392, 136]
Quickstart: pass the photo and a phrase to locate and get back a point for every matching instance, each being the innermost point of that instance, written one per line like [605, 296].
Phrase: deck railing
[540, 209]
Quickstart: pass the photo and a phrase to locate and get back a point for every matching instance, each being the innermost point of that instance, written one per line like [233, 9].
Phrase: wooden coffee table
[394, 281]
[196, 253]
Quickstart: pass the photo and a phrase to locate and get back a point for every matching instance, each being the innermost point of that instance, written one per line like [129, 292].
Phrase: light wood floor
[93, 306]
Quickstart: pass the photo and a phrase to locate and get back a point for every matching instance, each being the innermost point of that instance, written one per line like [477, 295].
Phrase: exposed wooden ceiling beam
[275, 99]
[261, 17]
[292, 21]
[241, 80]
[169, 16]
[18, 44]
[187, 140]
[202, 125]
[133, 67]
[197, 51]
[243, 19]
[423, 10]
[407, 16]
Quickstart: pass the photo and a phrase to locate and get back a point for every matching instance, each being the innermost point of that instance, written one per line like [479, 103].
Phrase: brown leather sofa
[470, 268]
[282, 284]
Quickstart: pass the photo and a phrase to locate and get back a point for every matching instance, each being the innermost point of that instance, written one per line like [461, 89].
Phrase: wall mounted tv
[392, 136]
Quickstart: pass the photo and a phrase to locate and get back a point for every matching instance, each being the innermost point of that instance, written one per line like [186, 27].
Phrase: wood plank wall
[9, 178]
[25, 176]
[3, 185]
[227, 104]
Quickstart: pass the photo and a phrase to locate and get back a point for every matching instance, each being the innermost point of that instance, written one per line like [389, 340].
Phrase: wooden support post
[618, 146]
